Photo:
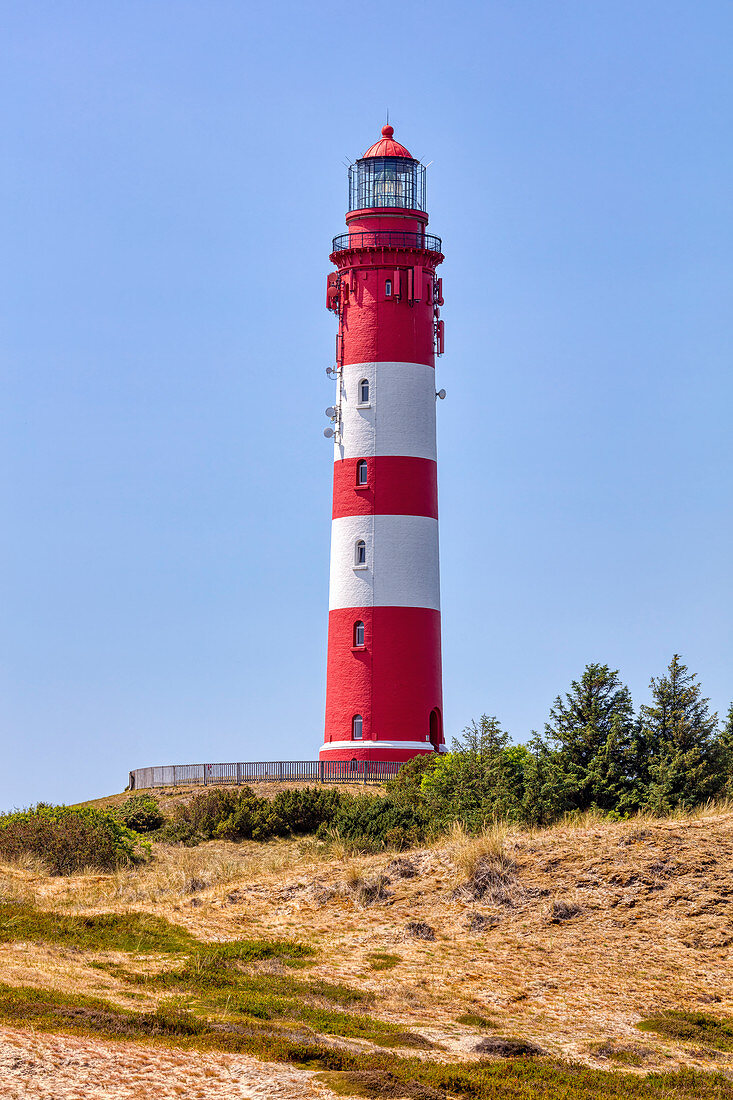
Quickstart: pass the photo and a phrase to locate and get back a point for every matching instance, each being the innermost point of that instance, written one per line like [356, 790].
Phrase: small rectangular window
[388, 288]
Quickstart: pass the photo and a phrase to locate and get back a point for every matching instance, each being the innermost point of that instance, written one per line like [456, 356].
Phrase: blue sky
[172, 174]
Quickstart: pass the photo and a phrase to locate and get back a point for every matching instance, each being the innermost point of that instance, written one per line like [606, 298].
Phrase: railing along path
[282, 771]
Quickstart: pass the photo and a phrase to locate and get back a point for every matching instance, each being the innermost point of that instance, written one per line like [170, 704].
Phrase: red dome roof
[387, 147]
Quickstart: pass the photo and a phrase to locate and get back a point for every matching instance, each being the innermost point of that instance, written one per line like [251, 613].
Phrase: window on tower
[359, 634]
[360, 553]
[357, 727]
[364, 391]
[362, 472]
[388, 288]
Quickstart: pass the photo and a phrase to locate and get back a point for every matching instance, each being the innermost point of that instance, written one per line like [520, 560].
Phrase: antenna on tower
[388, 116]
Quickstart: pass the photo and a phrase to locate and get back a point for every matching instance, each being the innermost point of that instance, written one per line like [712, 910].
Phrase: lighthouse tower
[384, 694]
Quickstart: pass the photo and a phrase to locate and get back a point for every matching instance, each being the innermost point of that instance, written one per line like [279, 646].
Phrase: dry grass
[472, 852]
[174, 873]
[652, 933]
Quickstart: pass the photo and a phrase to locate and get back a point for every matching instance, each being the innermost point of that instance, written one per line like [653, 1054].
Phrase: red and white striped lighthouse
[384, 694]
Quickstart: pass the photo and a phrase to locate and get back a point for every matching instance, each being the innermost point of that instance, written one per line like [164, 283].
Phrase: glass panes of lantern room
[387, 181]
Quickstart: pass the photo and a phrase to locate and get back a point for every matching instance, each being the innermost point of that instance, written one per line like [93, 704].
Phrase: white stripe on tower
[400, 416]
[401, 567]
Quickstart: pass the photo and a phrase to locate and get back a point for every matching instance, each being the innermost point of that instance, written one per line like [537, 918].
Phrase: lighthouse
[384, 682]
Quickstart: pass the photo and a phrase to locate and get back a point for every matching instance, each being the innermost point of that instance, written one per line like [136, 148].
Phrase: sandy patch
[63, 1067]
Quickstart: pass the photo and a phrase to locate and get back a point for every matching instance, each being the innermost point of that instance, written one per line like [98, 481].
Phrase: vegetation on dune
[141, 932]
[481, 1023]
[383, 960]
[368, 823]
[67, 840]
[522, 1079]
[697, 1027]
[225, 814]
[218, 982]
[377, 1074]
[141, 812]
[364, 822]
[596, 754]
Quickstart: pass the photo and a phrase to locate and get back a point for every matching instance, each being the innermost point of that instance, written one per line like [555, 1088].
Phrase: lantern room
[387, 177]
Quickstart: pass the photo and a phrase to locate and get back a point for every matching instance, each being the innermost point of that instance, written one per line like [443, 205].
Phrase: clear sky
[172, 174]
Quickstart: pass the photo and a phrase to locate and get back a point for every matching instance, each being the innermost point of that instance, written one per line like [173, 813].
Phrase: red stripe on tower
[384, 683]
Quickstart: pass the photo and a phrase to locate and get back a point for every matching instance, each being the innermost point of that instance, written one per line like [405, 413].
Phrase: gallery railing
[387, 239]
[283, 771]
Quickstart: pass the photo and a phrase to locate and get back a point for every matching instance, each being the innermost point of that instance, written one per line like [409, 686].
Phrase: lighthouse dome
[387, 146]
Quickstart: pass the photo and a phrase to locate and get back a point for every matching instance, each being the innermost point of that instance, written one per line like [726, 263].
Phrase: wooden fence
[283, 771]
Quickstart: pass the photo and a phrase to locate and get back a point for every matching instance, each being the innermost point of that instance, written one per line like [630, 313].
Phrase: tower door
[435, 728]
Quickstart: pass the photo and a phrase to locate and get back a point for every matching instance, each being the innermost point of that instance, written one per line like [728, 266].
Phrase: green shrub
[197, 820]
[69, 840]
[371, 823]
[382, 960]
[243, 815]
[290, 813]
[141, 813]
[248, 820]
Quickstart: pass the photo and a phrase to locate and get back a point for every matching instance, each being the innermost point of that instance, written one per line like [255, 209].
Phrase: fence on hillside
[283, 771]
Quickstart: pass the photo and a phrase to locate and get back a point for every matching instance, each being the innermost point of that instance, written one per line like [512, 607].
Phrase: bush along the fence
[369, 822]
[142, 813]
[243, 815]
[68, 840]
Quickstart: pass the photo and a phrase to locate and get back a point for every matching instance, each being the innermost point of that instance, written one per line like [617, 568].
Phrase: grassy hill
[578, 961]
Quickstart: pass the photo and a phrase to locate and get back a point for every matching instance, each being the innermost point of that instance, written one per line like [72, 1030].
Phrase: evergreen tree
[593, 734]
[546, 785]
[725, 755]
[680, 752]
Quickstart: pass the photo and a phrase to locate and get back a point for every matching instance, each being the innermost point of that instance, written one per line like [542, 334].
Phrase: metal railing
[423, 241]
[282, 771]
